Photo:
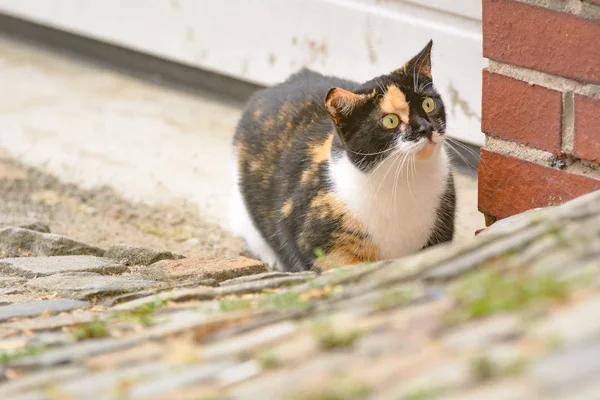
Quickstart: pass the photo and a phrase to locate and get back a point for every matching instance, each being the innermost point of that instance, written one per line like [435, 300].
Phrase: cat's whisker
[426, 85]
[453, 143]
[380, 85]
[369, 154]
[373, 173]
[386, 174]
[465, 160]
[396, 178]
[462, 145]
[408, 173]
[414, 168]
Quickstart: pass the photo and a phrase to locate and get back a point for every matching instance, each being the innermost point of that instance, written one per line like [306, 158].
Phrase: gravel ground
[102, 218]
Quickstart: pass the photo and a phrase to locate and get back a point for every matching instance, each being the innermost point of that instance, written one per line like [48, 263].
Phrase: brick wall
[541, 104]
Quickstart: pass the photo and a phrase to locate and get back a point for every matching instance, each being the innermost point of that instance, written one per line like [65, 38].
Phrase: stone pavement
[511, 314]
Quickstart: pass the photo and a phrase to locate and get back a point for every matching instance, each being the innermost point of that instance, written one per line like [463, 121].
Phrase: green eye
[390, 121]
[428, 104]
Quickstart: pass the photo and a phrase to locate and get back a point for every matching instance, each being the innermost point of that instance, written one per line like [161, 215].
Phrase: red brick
[541, 39]
[517, 111]
[508, 186]
[587, 128]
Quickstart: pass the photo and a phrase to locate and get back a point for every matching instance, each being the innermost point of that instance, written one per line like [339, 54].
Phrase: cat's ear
[421, 63]
[341, 102]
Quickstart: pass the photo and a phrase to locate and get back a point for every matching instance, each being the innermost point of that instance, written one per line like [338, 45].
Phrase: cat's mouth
[427, 148]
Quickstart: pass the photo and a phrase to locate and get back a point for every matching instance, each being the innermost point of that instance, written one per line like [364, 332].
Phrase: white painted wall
[263, 41]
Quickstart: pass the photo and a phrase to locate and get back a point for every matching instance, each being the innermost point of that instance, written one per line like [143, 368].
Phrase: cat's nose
[425, 131]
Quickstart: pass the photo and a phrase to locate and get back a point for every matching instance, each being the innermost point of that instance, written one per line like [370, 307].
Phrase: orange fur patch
[394, 102]
[320, 152]
[287, 208]
[348, 247]
[349, 250]
[306, 174]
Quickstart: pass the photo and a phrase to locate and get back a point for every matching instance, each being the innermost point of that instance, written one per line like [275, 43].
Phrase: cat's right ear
[341, 102]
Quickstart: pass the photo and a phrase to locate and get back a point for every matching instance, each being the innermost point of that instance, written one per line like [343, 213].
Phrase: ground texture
[127, 301]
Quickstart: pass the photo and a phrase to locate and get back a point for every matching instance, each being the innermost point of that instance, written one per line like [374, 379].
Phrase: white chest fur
[397, 202]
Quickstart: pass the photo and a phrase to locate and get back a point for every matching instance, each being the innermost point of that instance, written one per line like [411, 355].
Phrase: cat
[330, 172]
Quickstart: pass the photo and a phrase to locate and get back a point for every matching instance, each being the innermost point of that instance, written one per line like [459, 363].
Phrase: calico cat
[331, 172]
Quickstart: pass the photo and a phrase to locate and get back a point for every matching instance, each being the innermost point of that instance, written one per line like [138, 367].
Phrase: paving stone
[7, 291]
[10, 281]
[35, 308]
[247, 342]
[195, 269]
[36, 340]
[107, 383]
[193, 321]
[573, 325]
[39, 380]
[480, 334]
[23, 222]
[240, 372]
[43, 266]
[466, 262]
[18, 241]
[75, 352]
[199, 293]
[134, 255]
[570, 368]
[53, 322]
[178, 378]
[125, 357]
[512, 223]
[257, 286]
[266, 275]
[585, 391]
[284, 383]
[85, 284]
[503, 390]
[126, 297]
[444, 376]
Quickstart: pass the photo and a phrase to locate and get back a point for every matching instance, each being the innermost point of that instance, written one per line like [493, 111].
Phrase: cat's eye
[390, 121]
[428, 104]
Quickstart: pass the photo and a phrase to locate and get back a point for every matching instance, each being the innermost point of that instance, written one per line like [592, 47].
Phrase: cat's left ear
[421, 63]
[341, 102]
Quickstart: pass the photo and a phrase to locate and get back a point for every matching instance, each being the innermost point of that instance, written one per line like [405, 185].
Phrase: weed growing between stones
[10, 356]
[277, 300]
[484, 368]
[422, 393]
[329, 338]
[268, 359]
[98, 328]
[235, 305]
[489, 291]
[336, 388]
[285, 300]
[90, 330]
[394, 297]
[141, 315]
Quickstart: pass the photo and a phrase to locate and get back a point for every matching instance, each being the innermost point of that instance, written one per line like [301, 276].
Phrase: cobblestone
[42, 266]
[200, 268]
[35, 308]
[135, 255]
[347, 333]
[18, 242]
[83, 285]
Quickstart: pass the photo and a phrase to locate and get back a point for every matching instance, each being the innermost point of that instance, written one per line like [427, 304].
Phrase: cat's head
[397, 113]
